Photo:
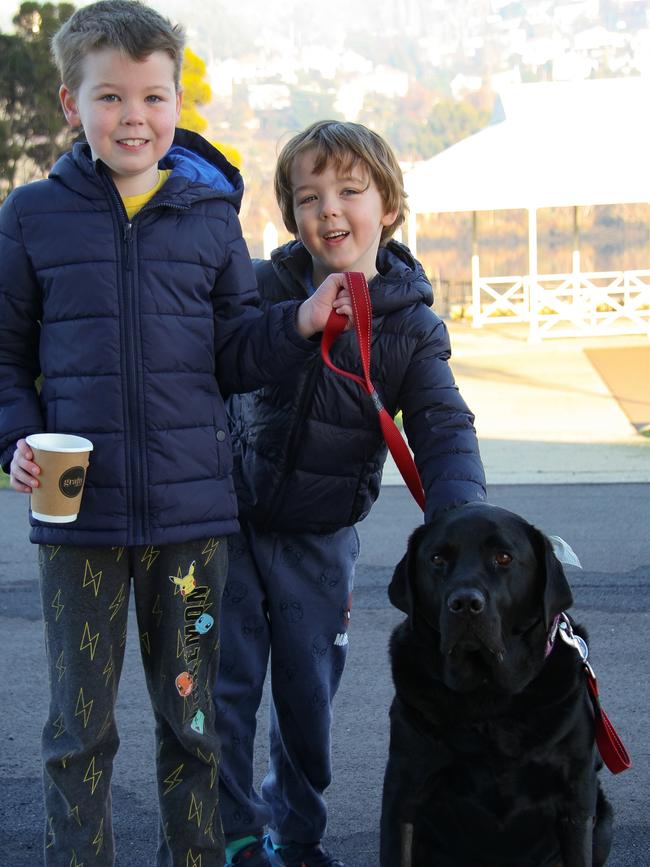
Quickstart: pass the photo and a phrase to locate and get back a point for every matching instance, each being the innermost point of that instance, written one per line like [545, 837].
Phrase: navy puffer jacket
[309, 451]
[139, 329]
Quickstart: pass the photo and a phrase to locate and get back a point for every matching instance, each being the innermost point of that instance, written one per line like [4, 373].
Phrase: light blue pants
[287, 597]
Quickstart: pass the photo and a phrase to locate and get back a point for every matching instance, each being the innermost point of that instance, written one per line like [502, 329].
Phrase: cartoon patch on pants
[185, 583]
[204, 623]
[184, 684]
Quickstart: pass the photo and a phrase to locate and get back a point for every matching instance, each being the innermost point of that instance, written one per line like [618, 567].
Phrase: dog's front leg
[400, 781]
[576, 841]
[392, 851]
[412, 764]
[406, 852]
[576, 824]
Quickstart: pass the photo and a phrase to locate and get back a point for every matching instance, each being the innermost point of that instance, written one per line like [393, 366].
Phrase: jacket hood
[400, 281]
[199, 171]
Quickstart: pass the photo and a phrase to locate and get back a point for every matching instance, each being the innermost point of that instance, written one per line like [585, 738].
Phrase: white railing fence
[579, 304]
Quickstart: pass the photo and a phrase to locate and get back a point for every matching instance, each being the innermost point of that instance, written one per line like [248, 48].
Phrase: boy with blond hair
[309, 455]
[126, 283]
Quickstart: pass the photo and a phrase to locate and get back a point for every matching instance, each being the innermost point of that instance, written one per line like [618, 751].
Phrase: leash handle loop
[336, 323]
[610, 746]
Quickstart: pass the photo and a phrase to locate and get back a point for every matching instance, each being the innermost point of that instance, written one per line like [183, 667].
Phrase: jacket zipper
[136, 453]
[134, 432]
[137, 496]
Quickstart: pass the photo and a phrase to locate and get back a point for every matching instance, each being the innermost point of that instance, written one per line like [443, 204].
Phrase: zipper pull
[128, 240]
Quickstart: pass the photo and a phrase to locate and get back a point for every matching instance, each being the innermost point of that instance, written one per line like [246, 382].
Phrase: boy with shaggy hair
[126, 283]
[309, 455]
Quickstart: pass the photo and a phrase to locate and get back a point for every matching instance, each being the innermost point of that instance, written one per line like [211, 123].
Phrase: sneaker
[253, 855]
[300, 855]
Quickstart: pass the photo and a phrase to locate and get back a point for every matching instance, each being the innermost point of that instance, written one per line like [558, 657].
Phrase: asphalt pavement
[606, 524]
[559, 448]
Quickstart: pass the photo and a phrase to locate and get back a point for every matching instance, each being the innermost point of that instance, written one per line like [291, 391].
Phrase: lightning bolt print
[119, 549]
[74, 814]
[193, 860]
[196, 811]
[92, 776]
[49, 835]
[98, 842]
[57, 605]
[150, 556]
[210, 550]
[157, 610]
[146, 642]
[211, 761]
[89, 641]
[59, 726]
[60, 667]
[109, 668]
[90, 577]
[74, 862]
[117, 602]
[105, 726]
[54, 550]
[84, 707]
[174, 779]
[209, 826]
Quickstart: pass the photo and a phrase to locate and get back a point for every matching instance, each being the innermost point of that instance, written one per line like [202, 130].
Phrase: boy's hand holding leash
[313, 313]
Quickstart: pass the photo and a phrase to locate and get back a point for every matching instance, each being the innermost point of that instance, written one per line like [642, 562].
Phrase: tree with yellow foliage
[197, 92]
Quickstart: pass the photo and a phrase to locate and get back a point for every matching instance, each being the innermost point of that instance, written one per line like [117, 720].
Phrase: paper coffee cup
[63, 459]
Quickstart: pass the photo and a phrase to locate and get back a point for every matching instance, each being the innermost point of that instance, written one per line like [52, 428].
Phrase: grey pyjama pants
[287, 596]
[85, 595]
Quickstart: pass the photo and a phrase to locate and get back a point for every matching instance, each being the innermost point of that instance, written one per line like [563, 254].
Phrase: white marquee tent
[551, 144]
[558, 144]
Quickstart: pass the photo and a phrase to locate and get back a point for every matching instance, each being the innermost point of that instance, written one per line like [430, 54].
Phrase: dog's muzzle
[466, 602]
[467, 625]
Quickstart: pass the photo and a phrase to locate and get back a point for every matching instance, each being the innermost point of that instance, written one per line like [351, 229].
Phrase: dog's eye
[438, 560]
[502, 558]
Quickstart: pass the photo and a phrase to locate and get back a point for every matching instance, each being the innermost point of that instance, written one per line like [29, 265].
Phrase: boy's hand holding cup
[52, 467]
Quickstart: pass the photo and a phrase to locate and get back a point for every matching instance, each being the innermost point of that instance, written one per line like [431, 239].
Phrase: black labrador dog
[492, 759]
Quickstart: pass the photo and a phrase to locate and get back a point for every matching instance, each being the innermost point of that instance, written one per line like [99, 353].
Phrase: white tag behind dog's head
[564, 552]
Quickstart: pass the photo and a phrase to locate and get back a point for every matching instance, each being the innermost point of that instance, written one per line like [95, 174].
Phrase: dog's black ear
[400, 589]
[557, 593]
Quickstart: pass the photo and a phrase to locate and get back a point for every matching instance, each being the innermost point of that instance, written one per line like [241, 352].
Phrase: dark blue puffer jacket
[139, 330]
[309, 452]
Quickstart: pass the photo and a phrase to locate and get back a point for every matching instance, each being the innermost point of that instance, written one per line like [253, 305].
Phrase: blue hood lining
[196, 168]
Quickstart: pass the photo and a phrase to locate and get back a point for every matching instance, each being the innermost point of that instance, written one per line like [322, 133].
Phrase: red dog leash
[363, 327]
[610, 746]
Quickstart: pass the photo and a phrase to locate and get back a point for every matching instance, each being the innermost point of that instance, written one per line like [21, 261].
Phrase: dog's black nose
[466, 601]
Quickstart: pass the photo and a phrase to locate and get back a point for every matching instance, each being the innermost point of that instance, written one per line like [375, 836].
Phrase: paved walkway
[544, 415]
